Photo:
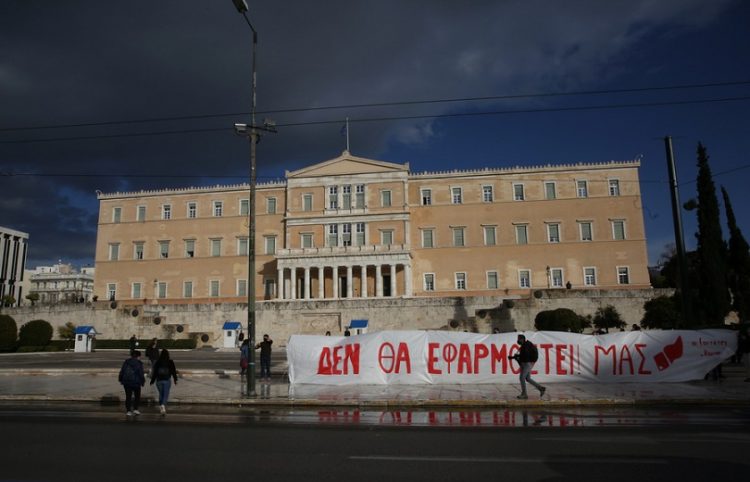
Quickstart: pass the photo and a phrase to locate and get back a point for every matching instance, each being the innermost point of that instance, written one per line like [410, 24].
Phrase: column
[363, 288]
[378, 282]
[280, 284]
[335, 282]
[393, 279]
[293, 283]
[321, 282]
[407, 279]
[307, 283]
[349, 282]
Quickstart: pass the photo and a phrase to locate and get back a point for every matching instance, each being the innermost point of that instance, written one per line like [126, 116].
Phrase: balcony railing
[343, 250]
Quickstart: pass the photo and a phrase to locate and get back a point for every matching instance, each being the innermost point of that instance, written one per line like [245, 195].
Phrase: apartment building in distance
[13, 251]
[62, 283]
[352, 227]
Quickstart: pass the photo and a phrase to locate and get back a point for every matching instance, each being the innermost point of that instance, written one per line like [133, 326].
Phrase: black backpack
[533, 352]
[163, 372]
[129, 375]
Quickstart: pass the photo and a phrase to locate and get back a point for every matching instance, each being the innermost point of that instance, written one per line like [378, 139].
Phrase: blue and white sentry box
[232, 331]
[84, 338]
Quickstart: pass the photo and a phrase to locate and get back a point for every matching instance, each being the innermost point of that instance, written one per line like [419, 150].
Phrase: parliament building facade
[353, 227]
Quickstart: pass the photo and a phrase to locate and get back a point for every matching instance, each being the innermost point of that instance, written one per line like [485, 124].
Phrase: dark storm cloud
[83, 61]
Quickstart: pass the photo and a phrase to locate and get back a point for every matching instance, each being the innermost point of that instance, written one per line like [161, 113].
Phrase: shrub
[67, 331]
[8, 333]
[561, 319]
[35, 333]
[608, 317]
[661, 312]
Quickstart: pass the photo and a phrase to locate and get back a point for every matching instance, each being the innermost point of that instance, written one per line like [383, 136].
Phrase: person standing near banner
[526, 356]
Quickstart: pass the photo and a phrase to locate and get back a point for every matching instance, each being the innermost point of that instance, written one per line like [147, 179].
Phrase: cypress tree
[739, 263]
[712, 291]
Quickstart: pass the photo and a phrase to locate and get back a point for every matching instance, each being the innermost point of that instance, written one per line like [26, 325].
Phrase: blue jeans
[265, 366]
[163, 386]
[525, 376]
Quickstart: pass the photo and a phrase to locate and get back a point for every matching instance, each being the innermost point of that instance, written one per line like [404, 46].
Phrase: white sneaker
[128, 413]
[136, 412]
[162, 409]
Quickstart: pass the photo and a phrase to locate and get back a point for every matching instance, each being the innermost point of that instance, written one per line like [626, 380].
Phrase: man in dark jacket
[526, 356]
[132, 379]
[265, 357]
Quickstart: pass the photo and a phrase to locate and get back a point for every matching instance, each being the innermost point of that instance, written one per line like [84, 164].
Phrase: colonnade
[289, 288]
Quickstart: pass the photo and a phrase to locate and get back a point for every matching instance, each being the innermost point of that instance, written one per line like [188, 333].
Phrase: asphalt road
[67, 445]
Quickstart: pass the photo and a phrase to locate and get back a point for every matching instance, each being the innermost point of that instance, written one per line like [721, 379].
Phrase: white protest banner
[427, 357]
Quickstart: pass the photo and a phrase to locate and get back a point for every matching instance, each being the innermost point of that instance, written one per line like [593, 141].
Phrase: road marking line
[511, 460]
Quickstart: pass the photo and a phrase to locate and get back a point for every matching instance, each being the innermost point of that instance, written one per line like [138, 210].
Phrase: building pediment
[347, 165]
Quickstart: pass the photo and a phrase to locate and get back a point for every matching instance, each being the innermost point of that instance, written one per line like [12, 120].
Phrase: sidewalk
[223, 388]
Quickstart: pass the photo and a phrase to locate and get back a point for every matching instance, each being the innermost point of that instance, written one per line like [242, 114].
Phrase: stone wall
[281, 319]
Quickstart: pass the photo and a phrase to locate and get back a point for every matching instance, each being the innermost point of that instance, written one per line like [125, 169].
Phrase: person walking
[133, 344]
[265, 357]
[526, 356]
[244, 357]
[132, 379]
[163, 373]
[152, 352]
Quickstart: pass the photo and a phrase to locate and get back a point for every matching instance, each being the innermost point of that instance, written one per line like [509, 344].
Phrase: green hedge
[35, 333]
[8, 333]
[30, 349]
[181, 344]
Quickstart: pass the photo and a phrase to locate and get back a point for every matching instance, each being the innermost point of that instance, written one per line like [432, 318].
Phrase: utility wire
[386, 104]
[394, 118]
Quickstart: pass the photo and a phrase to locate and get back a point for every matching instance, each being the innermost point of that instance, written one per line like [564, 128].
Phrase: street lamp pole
[241, 6]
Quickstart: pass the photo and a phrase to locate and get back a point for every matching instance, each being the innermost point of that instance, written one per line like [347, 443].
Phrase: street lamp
[251, 132]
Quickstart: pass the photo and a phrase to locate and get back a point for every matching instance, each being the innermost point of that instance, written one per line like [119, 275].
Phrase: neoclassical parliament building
[352, 227]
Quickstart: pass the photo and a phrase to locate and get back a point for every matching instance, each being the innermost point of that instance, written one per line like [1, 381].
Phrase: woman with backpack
[163, 373]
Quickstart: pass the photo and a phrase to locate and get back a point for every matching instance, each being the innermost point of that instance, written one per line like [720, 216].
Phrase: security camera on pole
[251, 132]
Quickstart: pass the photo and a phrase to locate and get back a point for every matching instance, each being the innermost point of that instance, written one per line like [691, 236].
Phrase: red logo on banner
[671, 353]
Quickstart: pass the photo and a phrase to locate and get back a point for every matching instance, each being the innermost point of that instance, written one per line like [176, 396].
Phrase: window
[518, 194]
[429, 282]
[241, 287]
[187, 289]
[456, 195]
[492, 280]
[489, 236]
[522, 236]
[428, 238]
[346, 230]
[524, 278]
[333, 197]
[333, 235]
[140, 214]
[618, 229]
[614, 187]
[192, 210]
[307, 202]
[164, 249]
[218, 208]
[586, 231]
[386, 237]
[346, 194]
[111, 291]
[307, 240]
[244, 207]
[385, 199]
[623, 275]
[426, 197]
[271, 205]
[553, 232]
[270, 244]
[360, 196]
[458, 237]
[270, 288]
[589, 276]
[550, 191]
[360, 234]
[116, 215]
[460, 281]
[556, 277]
[216, 247]
[213, 288]
[138, 250]
[135, 291]
[166, 211]
[114, 251]
[242, 244]
[582, 188]
[487, 194]
[189, 248]
[161, 290]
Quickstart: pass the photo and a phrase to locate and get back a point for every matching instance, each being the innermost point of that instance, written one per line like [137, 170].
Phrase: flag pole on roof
[345, 131]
